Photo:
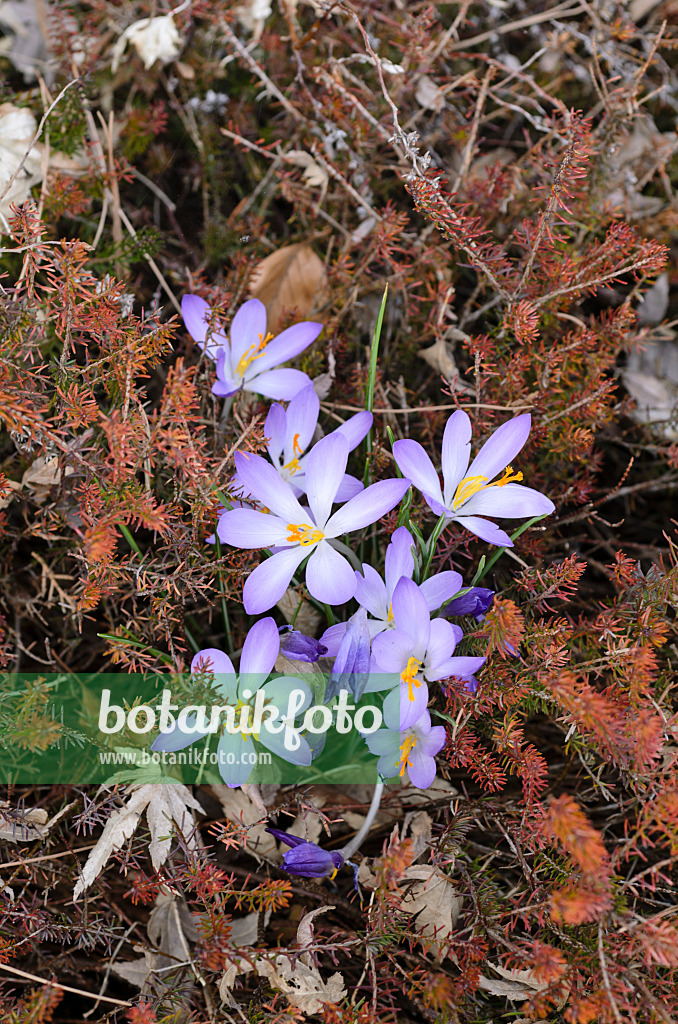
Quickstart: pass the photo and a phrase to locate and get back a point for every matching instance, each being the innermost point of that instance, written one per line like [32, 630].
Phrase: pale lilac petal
[247, 528]
[399, 558]
[224, 389]
[281, 385]
[385, 743]
[287, 345]
[415, 464]
[329, 576]
[248, 327]
[263, 481]
[275, 430]
[196, 314]
[435, 506]
[332, 638]
[271, 578]
[456, 452]
[235, 774]
[348, 488]
[485, 530]
[261, 648]
[367, 507]
[421, 769]
[212, 660]
[325, 467]
[441, 644]
[371, 593]
[512, 501]
[392, 650]
[178, 738]
[278, 692]
[355, 428]
[302, 418]
[276, 744]
[411, 614]
[379, 680]
[501, 447]
[460, 667]
[412, 702]
[440, 588]
[432, 740]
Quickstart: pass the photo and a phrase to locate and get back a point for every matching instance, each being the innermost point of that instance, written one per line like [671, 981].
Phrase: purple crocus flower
[259, 653]
[251, 361]
[298, 532]
[418, 649]
[352, 664]
[376, 594]
[289, 433]
[307, 859]
[470, 492]
[475, 601]
[410, 750]
[296, 646]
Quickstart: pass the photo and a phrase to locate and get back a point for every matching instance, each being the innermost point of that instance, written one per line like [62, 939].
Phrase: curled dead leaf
[291, 278]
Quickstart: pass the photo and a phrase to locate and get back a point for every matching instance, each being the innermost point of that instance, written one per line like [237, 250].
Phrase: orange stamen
[255, 351]
[304, 534]
[470, 485]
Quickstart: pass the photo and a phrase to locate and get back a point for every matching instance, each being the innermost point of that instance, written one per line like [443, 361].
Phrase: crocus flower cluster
[299, 506]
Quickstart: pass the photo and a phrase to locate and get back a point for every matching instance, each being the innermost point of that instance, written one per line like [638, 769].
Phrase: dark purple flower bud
[352, 665]
[475, 601]
[307, 859]
[299, 647]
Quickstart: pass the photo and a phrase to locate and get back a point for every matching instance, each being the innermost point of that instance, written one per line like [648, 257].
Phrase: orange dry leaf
[291, 278]
[566, 821]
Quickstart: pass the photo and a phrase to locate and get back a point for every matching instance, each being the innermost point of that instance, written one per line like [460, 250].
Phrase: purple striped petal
[247, 528]
[456, 452]
[440, 588]
[271, 578]
[486, 530]
[275, 429]
[282, 385]
[399, 558]
[512, 501]
[248, 327]
[371, 593]
[415, 464]
[367, 507]
[287, 345]
[324, 468]
[501, 447]
[329, 576]
[261, 648]
[355, 428]
[264, 482]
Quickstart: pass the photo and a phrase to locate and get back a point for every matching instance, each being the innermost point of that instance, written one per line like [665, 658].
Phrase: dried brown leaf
[291, 278]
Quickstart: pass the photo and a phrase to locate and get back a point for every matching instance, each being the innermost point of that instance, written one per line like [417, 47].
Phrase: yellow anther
[406, 749]
[333, 875]
[304, 534]
[470, 485]
[293, 465]
[255, 351]
[247, 725]
[389, 617]
[296, 447]
[409, 676]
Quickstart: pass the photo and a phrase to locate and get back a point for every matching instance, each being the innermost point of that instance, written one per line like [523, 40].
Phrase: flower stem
[431, 547]
[351, 847]
[371, 378]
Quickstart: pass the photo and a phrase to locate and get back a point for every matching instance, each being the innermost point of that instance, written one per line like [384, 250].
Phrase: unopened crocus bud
[475, 601]
[307, 859]
[296, 646]
[352, 665]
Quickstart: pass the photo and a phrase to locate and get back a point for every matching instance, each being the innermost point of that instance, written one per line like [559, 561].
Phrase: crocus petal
[196, 314]
[178, 738]
[329, 576]
[248, 327]
[310, 861]
[385, 743]
[440, 588]
[355, 428]
[392, 649]
[275, 742]
[486, 530]
[296, 646]
[475, 602]
[212, 660]
[501, 447]
[367, 507]
[421, 768]
[414, 463]
[263, 481]
[352, 664]
[275, 429]
[460, 667]
[371, 592]
[282, 384]
[325, 466]
[278, 692]
[398, 701]
[456, 452]
[230, 748]
[287, 345]
[332, 638]
[411, 614]
[433, 740]
[224, 390]
[247, 528]
[348, 488]
[512, 501]
[286, 837]
[302, 418]
[271, 578]
[261, 648]
[441, 644]
[399, 558]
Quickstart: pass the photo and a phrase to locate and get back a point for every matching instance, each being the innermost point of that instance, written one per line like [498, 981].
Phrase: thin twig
[64, 988]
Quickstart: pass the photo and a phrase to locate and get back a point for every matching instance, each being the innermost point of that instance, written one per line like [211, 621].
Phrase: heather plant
[297, 299]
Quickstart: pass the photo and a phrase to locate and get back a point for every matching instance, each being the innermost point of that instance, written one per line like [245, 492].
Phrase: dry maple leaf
[291, 278]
